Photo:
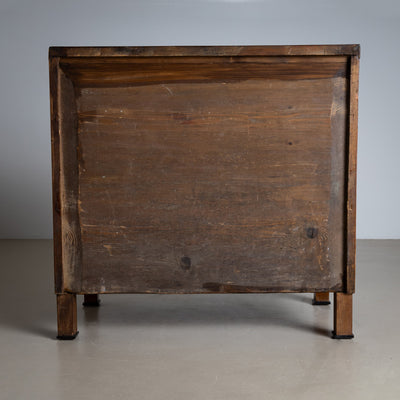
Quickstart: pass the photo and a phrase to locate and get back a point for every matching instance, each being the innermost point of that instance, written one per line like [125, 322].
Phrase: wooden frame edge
[204, 51]
[352, 175]
[353, 51]
[55, 160]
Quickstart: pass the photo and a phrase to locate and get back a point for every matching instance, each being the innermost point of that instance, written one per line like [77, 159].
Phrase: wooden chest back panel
[192, 175]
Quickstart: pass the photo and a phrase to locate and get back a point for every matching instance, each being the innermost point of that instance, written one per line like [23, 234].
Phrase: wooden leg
[91, 300]
[321, 299]
[343, 316]
[66, 316]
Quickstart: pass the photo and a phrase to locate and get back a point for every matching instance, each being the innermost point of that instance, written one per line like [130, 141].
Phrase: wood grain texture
[324, 296]
[198, 170]
[69, 186]
[55, 108]
[321, 298]
[230, 176]
[66, 225]
[352, 176]
[66, 316]
[206, 51]
[111, 72]
[343, 315]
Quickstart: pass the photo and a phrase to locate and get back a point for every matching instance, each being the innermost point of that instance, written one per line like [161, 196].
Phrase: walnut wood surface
[206, 51]
[352, 175]
[56, 160]
[321, 298]
[66, 316]
[343, 315]
[204, 169]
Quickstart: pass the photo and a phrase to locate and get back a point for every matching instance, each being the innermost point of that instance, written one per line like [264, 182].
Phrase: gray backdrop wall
[29, 27]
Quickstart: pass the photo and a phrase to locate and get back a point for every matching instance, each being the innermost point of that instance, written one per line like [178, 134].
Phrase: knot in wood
[186, 263]
[312, 232]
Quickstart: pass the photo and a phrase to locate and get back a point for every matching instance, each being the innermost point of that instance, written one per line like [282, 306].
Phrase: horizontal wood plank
[206, 51]
[109, 74]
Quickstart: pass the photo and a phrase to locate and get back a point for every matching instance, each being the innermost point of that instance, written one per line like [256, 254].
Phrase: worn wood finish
[110, 72]
[91, 300]
[206, 51]
[321, 299]
[212, 188]
[66, 225]
[204, 169]
[343, 316]
[66, 316]
[55, 108]
[352, 175]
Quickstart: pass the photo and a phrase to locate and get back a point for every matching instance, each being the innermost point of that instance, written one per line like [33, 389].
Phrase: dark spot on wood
[290, 143]
[186, 263]
[312, 232]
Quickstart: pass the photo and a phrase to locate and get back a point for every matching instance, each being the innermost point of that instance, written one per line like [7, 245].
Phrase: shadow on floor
[285, 310]
[29, 305]
[215, 309]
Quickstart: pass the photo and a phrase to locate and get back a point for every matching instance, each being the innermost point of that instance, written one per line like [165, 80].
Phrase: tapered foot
[91, 300]
[66, 316]
[321, 299]
[343, 316]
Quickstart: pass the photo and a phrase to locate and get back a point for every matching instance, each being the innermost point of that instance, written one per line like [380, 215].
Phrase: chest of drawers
[204, 170]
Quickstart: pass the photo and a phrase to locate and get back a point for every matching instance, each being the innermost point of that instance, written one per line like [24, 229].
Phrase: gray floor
[246, 346]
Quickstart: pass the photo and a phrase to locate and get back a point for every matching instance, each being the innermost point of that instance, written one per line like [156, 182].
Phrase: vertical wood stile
[352, 175]
[55, 160]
